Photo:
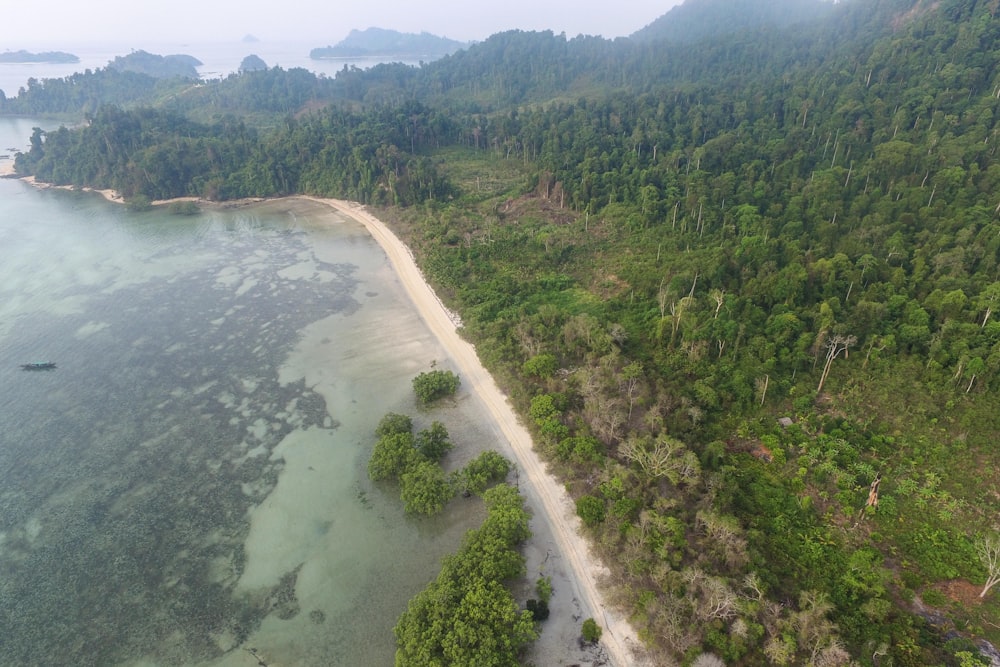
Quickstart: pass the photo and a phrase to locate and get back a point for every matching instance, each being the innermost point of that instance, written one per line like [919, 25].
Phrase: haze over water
[190, 482]
[220, 59]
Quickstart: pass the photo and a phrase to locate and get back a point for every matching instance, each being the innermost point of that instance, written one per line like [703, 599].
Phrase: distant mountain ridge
[381, 42]
[695, 20]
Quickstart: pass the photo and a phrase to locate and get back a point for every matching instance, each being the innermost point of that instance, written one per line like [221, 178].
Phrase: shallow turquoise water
[189, 483]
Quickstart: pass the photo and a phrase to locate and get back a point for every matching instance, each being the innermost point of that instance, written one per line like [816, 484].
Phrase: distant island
[23, 56]
[161, 67]
[252, 63]
[380, 42]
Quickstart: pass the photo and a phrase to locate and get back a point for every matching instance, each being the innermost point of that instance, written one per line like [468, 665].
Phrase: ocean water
[219, 58]
[189, 484]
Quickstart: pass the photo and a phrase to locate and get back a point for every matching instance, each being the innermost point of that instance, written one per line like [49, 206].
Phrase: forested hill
[160, 67]
[698, 20]
[745, 293]
[512, 68]
[376, 42]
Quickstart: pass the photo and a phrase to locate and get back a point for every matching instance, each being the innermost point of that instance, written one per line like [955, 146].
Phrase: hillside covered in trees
[744, 290]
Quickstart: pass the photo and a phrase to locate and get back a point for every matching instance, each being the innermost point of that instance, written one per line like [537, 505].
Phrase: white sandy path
[619, 638]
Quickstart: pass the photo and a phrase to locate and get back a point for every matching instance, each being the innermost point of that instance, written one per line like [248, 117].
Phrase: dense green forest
[744, 290]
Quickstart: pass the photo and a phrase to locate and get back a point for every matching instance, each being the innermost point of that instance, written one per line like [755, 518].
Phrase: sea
[188, 486]
[219, 59]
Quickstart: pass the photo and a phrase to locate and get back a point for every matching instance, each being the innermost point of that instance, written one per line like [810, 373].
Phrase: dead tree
[719, 296]
[834, 347]
[873, 492]
[988, 550]
[761, 384]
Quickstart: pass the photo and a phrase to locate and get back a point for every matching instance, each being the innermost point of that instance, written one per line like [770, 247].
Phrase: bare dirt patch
[961, 592]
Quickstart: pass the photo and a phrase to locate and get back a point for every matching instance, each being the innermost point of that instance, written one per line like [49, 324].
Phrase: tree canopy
[466, 616]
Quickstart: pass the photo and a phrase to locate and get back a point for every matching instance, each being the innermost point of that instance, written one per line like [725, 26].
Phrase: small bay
[189, 483]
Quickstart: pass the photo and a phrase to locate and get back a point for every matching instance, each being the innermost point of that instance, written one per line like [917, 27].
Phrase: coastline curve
[619, 638]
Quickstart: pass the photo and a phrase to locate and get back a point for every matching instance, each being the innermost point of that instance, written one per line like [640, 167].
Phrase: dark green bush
[434, 385]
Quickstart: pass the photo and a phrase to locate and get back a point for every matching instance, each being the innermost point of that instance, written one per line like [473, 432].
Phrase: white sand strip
[619, 638]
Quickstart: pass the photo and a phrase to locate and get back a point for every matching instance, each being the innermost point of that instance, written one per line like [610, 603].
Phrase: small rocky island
[252, 63]
[47, 57]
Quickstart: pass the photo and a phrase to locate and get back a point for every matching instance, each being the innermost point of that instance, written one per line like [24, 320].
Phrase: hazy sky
[323, 22]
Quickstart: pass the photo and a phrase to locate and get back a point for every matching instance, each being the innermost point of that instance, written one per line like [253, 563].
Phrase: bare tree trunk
[988, 550]
[870, 348]
[719, 296]
[873, 492]
[661, 298]
[834, 347]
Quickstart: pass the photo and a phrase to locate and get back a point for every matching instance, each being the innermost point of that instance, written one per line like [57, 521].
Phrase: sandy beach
[619, 641]
[110, 195]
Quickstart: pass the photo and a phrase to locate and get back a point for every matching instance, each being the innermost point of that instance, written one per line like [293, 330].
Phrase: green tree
[393, 455]
[591, 631]
[541, 365]
[393, 423]
[489, 630]
[139, 203]
[591, 509]
[466, 616]
[184, 208]
[543, 588]
[424, 488]
[487, 468]
[433, 442]
[434, 385]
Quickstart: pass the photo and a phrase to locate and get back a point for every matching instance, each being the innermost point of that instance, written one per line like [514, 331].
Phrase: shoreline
[619, 644]
[110, 195]
[619, 638]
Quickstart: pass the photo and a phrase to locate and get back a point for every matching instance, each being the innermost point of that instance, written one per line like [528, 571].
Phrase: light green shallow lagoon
[190, 482]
